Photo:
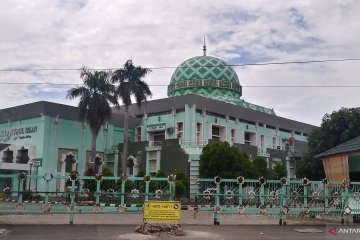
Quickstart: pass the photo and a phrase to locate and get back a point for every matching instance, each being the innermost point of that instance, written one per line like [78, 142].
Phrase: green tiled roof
[206, 75]
[210, 77]
[349, 146]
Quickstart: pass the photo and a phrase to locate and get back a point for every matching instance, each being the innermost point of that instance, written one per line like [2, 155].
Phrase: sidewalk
[187, 218]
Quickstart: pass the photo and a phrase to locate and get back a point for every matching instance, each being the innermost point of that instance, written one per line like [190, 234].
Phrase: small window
[152, 167]
[138, 134]
[247, 138]
[274, 143]
[233, 135]
[215, 133]
[180, 129]
[250, 138]
[152, 161]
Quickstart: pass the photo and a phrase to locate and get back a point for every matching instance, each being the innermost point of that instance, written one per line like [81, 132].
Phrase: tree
[278, 172]
[96, 94]
[181, 184]
[108, 184]
[221, 159]
[130, 84]
[160, 173]
[336, 128]
[260, 165]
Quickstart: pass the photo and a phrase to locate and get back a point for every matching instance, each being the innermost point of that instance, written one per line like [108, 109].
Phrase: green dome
[206, 76]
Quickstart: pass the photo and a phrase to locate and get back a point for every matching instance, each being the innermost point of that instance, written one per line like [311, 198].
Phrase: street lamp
[30, 164]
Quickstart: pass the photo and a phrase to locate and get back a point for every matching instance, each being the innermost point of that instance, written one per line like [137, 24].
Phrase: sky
[70, 34]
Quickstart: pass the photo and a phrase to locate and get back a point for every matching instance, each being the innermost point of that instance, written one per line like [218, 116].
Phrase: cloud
[72, 34]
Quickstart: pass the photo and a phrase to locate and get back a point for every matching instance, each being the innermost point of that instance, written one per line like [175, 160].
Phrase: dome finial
[204, 48]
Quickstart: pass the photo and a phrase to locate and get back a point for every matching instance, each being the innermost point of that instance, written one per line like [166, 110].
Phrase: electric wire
[206, 66]
[165, 85]
[170, 67]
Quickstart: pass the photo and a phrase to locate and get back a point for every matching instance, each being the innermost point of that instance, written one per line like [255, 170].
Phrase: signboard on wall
[162, 211]
[156, 127]
[17, 133]
[37, 162]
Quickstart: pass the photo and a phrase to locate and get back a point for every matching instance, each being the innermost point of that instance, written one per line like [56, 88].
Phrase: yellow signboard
[162, 211]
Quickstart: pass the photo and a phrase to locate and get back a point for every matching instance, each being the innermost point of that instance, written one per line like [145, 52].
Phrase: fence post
[97, 192]
[72, 205]
[346, 204]
[217, 205]
[283, 202]
[326, 191]
[122, 198]
[240, 195]
[21, 189]
[47, 192]
[262, 200]
[147, 190]
[305, 196]
[172, 190]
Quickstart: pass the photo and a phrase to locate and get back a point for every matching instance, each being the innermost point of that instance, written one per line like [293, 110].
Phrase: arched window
[132, 166]
[8, 156]
[22, 156]
[70, 161]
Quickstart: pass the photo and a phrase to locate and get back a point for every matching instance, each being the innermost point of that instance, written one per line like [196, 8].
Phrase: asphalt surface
[104, 232]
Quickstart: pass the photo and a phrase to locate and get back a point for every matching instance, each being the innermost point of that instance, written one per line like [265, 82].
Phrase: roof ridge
[331, 150]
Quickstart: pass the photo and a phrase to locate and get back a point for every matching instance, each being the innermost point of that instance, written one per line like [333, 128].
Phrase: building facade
[45, 137]
[204, 104]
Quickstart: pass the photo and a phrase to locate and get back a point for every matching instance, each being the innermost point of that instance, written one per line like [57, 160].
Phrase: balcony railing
[154, 145]
[192, 143]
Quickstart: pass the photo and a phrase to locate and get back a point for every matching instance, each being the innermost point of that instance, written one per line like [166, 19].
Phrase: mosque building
[204, 105]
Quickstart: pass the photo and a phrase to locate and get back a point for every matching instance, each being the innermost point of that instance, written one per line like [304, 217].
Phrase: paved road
[119, 232]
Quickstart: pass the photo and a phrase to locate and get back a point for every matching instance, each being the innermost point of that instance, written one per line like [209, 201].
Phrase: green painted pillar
[346, 204]
[116, 165]
[283, 202]
[122, 198]
[21, 189]
[262, 197]
[217, 205]
[97, 192]
[147, 191]
[72, 202]
[47, 192]
[326, 192]
[172, 191]
[240, 194]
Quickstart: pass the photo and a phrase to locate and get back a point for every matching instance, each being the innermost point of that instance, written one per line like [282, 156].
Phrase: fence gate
[81, 194]
[279, 198]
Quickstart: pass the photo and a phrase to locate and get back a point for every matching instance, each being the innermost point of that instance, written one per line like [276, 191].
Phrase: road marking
[3, 232]
[307, 230]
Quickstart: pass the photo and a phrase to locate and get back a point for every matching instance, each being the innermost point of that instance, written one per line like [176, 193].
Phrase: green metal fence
[279, 198]
[32, 194]
[80, 194]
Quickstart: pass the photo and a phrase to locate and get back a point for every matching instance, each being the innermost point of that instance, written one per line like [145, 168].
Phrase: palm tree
[96, 94]
[130, 85]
